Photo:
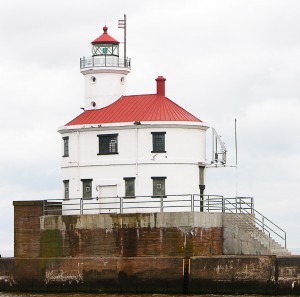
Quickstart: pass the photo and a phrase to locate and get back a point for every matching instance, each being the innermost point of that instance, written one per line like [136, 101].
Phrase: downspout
[201, 185]
[78, 161]
[137, 155]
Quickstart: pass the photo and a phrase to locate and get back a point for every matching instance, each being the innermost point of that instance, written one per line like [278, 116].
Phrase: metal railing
[258, 220]
[104, 61]
[242, 208]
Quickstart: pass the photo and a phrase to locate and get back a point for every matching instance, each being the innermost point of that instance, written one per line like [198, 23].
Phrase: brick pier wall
[115, 235]
[205, 275]
[27, 233]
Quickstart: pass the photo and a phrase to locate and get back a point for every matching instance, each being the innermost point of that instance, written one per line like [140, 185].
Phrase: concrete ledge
[137, 274]
[232, 274]
[289, 275]
[28, 203]
[207, 275]
[134, 220]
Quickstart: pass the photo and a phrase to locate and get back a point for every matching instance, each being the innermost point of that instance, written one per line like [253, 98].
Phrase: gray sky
[222, 60]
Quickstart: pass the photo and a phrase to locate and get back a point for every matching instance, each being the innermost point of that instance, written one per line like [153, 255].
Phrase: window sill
[129, 197]
[65, 156]
[159, 196]
[107, 154]
[157, 152]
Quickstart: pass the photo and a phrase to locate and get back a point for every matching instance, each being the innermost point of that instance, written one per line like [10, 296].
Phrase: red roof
[137, 108]
[105, 38]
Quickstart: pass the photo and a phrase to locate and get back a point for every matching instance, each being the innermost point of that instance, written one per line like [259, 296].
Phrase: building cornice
[126, 126]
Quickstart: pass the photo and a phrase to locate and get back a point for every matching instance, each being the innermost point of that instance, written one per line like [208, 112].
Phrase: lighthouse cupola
[105, 45]
[104, 72]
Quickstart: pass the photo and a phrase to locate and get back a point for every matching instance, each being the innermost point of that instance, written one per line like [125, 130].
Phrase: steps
[242, 236]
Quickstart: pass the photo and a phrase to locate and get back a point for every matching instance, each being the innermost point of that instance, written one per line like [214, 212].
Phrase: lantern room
[104, 72]
[105, 45]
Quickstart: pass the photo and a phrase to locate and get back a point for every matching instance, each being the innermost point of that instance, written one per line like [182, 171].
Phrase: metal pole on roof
[122, 25]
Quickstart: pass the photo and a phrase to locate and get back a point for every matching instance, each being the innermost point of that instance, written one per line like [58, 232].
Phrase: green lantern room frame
[108, 49]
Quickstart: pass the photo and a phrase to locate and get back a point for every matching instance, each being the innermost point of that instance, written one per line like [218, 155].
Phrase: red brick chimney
[160, 85]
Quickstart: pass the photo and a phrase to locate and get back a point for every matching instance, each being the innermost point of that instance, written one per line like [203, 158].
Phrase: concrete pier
[176, 252]
[204, 275]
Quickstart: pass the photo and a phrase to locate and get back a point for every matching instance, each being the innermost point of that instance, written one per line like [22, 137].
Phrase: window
[129, 186]
[66, 189]
[159, 188]
[108, 144]
[158, 141]
[66, 146]
[86, 188]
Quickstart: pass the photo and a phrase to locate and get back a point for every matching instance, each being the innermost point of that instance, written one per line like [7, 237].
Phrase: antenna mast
[236, 159]
[122, 25]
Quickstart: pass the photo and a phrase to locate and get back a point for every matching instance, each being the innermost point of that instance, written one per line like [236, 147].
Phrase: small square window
[66, 146]
[158, 142]
[129, 187]
[66, 189]
[159, 188]
[87, 188]
[108, 144]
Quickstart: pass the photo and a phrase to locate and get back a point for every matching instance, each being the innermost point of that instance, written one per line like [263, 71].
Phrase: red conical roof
[105, 38]
[137, 108]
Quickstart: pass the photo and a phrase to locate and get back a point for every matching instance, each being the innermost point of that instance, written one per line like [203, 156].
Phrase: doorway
[108, 199]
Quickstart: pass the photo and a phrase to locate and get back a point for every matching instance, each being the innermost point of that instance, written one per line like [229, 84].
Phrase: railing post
[263, 223]
[223, 204]
[81, 205]
[161, 204]
[284, 240]
[121, 204]
[192, 203]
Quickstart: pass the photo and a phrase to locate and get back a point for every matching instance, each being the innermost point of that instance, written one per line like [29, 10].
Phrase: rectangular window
[66, 189]
[86, 188]
[108, 144]
[158, 142]
[129, 187]
[159, 188]
[66, 146]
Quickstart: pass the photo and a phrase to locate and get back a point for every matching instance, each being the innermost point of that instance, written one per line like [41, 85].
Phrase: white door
[109, 202]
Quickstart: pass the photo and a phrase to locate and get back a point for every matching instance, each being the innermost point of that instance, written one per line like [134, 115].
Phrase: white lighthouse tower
[104, 72]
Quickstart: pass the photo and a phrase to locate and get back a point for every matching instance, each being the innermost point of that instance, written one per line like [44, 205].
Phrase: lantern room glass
[105, 50]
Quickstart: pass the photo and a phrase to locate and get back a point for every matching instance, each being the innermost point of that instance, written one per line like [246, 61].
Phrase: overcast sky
[223, 59]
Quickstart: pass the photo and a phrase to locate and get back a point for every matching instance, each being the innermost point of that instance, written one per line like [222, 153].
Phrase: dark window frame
[66, 146]
[157, 147]
[129, 179]
[104, 142]
[66, 189]
[156, 178]
[87, 180]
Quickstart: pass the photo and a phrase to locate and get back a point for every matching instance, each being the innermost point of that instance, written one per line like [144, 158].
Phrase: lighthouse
[104, 72]
[132, 147]
[133, 180]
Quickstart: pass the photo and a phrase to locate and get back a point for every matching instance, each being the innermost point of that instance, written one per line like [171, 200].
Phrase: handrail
[252, 226]
[105, 61]
[182, 202]
[261, 222]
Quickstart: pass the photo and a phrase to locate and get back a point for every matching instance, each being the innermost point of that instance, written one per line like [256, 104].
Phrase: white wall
[185, 148]
[107, 88]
